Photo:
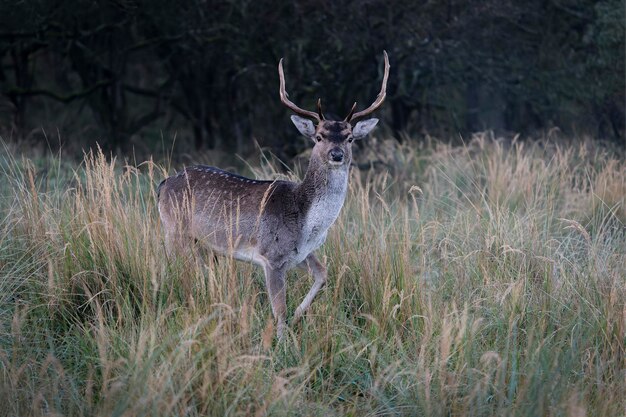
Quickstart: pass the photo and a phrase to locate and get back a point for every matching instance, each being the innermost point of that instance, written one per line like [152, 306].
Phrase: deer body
[279, 222]
[274, 224]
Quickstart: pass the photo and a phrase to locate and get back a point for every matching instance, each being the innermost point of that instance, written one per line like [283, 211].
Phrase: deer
[277, 225]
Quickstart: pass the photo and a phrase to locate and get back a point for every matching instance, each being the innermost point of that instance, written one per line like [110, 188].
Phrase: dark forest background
[132, 74]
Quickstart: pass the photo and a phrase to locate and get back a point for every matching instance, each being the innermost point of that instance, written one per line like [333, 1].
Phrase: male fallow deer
[274, 224]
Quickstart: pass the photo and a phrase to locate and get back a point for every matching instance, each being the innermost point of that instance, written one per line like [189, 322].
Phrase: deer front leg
[315, 267]
[276, 289]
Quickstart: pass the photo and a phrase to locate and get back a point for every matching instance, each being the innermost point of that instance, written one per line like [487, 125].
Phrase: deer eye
[318, 138]
[350, 139]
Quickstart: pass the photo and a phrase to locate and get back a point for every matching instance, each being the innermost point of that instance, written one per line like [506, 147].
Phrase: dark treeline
[133, 73]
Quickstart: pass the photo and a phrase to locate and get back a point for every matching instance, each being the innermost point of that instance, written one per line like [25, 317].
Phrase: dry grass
[479, 280]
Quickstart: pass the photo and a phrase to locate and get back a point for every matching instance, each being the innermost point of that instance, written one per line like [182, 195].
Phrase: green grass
[480, 280]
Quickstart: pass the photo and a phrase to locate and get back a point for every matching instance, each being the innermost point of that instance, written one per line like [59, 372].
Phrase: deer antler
[349, 116]
[379, 99]
[285, 100]
[319, 109]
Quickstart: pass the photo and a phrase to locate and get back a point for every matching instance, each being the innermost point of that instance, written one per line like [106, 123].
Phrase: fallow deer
[274, 224]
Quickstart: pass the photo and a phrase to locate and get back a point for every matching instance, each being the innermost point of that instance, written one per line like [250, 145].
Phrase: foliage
[126, 72]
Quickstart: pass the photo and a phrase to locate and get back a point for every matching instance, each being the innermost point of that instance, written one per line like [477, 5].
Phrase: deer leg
[173, 243]
[315, 267]
[179, 244]
[276, 289]
[174, 228]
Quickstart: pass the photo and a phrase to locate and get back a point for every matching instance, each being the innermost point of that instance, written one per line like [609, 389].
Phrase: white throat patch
[323, 213]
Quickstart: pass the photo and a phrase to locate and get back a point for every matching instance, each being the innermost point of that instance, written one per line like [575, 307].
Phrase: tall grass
[487, 279]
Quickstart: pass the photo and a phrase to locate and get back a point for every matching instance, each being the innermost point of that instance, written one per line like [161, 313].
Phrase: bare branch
[62, 98]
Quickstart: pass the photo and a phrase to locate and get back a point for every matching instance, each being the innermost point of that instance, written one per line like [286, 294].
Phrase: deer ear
[362, 128]
[305, 126]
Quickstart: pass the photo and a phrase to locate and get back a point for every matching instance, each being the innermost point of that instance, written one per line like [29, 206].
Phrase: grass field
[487, 279]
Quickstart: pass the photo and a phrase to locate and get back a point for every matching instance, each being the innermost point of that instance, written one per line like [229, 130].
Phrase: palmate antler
[319, 116]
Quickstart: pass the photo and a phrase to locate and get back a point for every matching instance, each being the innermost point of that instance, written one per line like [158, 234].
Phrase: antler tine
[319, 109]
[379, 99]
[349, 116]
[288, 103]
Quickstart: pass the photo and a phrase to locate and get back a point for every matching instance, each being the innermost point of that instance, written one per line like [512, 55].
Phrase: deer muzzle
[336, 155]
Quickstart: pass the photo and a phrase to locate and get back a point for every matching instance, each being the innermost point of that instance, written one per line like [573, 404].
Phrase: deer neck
[322, 193]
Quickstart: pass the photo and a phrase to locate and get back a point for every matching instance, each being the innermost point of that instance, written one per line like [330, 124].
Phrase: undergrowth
[479, 280]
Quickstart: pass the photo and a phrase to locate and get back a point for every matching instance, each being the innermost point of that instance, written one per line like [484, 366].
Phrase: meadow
[480, 280]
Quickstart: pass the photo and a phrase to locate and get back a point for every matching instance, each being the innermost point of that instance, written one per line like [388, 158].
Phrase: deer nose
[336, 155]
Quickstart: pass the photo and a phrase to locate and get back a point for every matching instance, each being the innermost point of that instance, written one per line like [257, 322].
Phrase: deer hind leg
[277, 292]
[176, 222]
[315, 267]
[177, 243]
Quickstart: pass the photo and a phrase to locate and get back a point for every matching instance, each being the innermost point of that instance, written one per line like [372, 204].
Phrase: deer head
[333, 138]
